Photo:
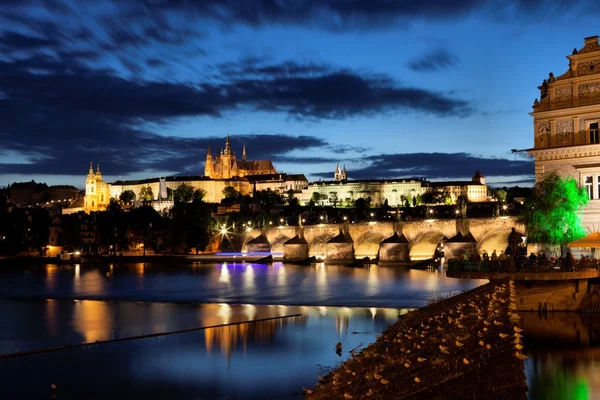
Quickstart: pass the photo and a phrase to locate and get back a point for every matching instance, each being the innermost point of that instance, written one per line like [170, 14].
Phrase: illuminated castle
[226, 166]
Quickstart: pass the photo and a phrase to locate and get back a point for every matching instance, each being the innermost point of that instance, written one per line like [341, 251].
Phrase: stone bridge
[422, 236]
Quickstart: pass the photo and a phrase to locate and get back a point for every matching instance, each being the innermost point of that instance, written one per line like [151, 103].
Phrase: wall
[558, 295]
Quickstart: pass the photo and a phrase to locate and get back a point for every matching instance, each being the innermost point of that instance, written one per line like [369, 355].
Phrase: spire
[244, 153]
[91, 170]
[227, 146]
[209, 166]
[97, 168]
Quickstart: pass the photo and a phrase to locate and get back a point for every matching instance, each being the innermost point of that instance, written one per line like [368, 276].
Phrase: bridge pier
[295, 249]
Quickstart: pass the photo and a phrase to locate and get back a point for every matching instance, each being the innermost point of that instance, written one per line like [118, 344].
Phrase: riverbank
[464, 347]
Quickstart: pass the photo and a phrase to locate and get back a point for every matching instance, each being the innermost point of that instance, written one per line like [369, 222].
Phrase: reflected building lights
[139, 268]
[321, 279]
[224, 276]
[373, 312]
[93, 320]
[322, 310]
[224, 312]
[77, 271]
[248, 278]
[373, 281]
[250, 311]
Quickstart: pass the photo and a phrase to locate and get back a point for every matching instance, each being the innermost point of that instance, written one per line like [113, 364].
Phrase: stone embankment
[465, 347]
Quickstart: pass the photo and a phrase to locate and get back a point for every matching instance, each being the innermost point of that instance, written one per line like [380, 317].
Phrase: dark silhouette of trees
[184, 193]
[128, 196]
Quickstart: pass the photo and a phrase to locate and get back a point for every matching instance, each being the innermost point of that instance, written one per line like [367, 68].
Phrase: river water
[48, 306]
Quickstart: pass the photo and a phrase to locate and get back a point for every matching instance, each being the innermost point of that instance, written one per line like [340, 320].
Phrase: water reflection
[224, 277]
[93, 320]
[564, 355]
[329, 285]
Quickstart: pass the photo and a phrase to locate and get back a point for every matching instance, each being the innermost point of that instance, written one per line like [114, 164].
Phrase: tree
[230, 193]
[184, 193]
[334, 198]
[316, 196]
[500, 195]
[128, 196]
[551, 213]
[199, 195]
[146, 194]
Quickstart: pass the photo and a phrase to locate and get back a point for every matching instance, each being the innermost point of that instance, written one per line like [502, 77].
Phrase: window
[589, 181]
[92, 188]
[594, 133]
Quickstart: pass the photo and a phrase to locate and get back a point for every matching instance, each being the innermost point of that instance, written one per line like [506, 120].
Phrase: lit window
[589, 181]
[594, 132]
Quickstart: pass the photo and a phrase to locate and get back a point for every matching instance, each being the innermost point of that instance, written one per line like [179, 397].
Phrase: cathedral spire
[209, 166]
[227, 146]
[244, 153]
[91, 170]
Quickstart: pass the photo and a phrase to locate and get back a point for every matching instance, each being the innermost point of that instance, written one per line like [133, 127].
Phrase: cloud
[436, 166]
[342, 15]
[434, 61]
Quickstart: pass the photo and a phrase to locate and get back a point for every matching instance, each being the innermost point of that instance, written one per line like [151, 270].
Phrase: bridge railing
[561, 265]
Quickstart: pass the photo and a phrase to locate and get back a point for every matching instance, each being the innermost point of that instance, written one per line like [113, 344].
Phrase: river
[48, 306]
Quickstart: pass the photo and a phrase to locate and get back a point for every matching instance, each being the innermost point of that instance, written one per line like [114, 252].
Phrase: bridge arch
[424, 245]
[318, 245]
[495, 239]
[368, 244]
[278, 241]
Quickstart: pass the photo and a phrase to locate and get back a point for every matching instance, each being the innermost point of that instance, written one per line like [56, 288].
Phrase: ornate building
[565, 125]
[226, 165]
[97, 194]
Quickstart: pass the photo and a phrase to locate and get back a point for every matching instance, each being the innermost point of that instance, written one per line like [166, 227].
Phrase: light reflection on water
[564, 355]
[251, 360]
[279, 283]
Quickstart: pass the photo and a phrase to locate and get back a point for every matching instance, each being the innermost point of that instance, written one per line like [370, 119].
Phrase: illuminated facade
[226, 165]
[342, 191]
[97, 194]
[565, 125]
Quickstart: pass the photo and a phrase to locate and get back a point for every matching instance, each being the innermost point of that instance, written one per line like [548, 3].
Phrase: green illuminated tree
[551, 213]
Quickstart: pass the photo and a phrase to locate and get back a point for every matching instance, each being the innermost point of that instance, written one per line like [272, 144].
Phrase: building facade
[565, 125]
[474, 190]
[227, 166]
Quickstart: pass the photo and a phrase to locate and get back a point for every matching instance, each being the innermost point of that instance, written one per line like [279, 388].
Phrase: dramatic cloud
[436, 165]
[338, 15]
[57, 102]
[434, 61]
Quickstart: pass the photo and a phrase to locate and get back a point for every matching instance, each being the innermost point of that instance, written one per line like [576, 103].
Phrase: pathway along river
[48, 306]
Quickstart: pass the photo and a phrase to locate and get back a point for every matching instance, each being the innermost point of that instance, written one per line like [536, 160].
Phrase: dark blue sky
[434, 89]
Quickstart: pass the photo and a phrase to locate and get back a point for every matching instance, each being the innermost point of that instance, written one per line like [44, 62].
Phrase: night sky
[434, 89]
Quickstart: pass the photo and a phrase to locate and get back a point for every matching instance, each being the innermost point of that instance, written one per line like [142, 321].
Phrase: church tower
[209, 166]
[337, 175]
[90, 189]
[227, 159]
[344, 174]
[244, 153]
